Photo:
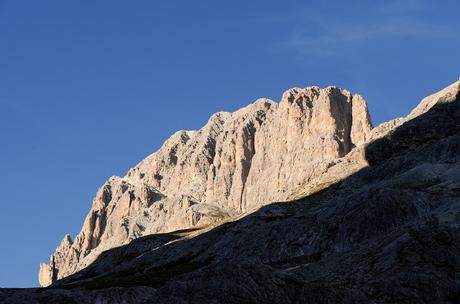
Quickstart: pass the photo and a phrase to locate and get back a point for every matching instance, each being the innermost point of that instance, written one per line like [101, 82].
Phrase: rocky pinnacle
[235, 164]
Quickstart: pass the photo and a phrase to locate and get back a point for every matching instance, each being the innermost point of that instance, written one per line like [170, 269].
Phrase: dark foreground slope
[390, 233]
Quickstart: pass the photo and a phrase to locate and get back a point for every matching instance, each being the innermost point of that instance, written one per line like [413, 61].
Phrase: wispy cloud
[387, 21]
[401, 6]
[352, 34]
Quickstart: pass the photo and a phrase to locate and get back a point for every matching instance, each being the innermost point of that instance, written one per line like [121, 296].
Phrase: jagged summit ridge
[319, 120]
[384, 229]
[236, 163]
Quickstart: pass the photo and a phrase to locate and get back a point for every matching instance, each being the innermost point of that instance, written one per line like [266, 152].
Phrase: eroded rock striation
[236, 163]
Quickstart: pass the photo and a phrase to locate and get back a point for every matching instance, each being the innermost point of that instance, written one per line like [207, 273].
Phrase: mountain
[237, 162]
[350, 215]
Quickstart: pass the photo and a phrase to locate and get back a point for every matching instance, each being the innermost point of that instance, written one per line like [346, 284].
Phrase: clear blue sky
[89, 88]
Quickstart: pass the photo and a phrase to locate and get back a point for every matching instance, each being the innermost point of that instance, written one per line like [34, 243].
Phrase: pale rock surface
[444, 96]
[46, 275]
[356, 160]
[236, 163]
[388, 231]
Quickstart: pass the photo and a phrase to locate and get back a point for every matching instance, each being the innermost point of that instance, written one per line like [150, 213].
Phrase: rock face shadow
[308, 244]
[389, 233]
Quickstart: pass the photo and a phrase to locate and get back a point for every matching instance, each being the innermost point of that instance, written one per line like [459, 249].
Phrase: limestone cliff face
[380, 225]
[236, 163]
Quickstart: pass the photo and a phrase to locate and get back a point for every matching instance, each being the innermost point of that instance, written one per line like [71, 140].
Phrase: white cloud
[346, 34]
[328, 33]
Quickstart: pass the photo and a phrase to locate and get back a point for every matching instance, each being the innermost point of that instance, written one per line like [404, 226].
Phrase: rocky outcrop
[222, 163]
[389, 232]
[236, 163]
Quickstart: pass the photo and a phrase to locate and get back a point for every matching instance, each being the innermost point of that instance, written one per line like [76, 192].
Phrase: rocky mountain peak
[380, 224]
[236, 163]
[446, 95]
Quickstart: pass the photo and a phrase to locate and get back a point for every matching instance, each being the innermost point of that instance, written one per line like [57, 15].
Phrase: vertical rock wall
[237, 162]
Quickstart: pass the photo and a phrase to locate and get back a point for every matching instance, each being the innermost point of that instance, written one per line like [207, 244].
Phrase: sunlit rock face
[380, 225]
[236, 163]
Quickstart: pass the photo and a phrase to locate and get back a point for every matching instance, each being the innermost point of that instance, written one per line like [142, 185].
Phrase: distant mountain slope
[237, 162]
[387, 233]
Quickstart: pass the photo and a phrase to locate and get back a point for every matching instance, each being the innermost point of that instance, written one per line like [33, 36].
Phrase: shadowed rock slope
[388, 233]
[237, 162]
